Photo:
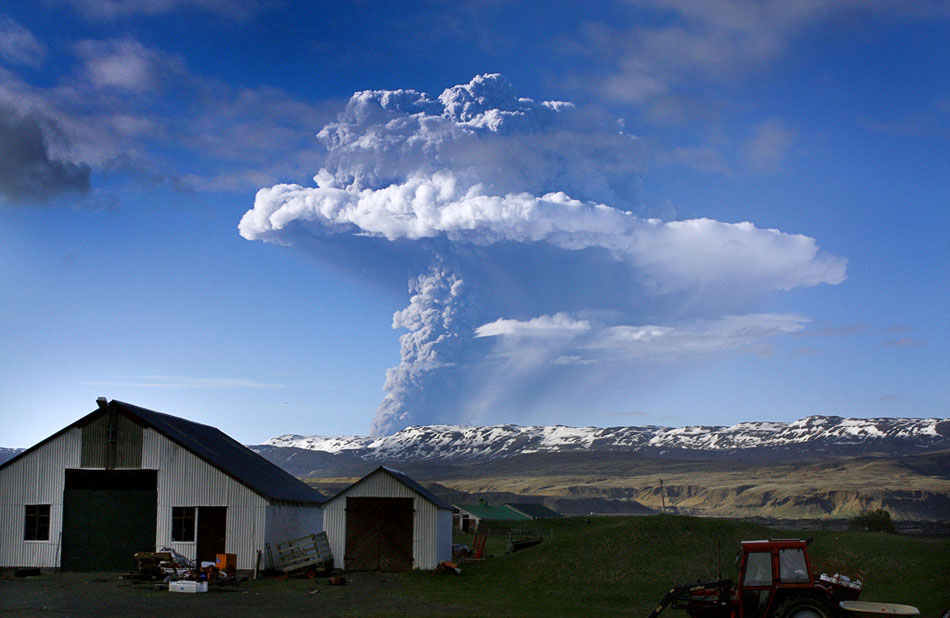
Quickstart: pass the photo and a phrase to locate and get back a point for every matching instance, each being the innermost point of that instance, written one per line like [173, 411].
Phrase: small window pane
[758, 569]
[183, 524]
[791, 566]
[36, 522]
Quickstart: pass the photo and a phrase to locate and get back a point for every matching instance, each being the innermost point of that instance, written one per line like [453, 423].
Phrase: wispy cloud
[805, 351]
[903, 342]
[18, 45]
[116, 9]
[845, 330]
[126, 64]
[113, 113]
[897, 328]
[768, 145]
[156, 381]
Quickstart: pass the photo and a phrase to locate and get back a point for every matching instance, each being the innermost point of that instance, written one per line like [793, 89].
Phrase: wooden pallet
[308, 554]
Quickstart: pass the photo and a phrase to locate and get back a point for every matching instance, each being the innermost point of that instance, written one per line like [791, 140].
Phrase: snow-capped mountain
[472, 443]
[8, 453]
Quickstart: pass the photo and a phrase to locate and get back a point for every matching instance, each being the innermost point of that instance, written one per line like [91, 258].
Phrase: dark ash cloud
[28, 174]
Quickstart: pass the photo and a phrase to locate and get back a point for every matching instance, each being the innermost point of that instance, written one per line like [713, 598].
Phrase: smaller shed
[388, 522]
[471, 515]
[533, 510]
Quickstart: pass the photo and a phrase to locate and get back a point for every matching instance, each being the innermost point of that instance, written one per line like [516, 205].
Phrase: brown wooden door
[212, 531]
[378, 534]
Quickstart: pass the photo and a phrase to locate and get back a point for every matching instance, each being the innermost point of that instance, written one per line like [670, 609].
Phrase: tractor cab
[770, 570]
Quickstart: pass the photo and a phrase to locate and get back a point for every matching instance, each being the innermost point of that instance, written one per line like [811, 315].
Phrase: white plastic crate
[186, 586]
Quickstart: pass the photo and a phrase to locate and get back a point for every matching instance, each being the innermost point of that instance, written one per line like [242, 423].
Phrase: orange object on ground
[226, 563]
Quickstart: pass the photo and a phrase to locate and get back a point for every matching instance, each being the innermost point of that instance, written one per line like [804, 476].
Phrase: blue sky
[644, 212]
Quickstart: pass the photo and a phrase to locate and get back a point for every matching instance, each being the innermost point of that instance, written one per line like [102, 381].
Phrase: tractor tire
[803, 606]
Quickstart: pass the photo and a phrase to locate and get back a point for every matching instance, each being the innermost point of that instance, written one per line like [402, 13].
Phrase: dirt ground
[105, 594]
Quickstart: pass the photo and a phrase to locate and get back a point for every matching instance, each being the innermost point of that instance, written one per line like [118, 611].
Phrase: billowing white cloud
[543, 326]
[673, 255]
[534, 205]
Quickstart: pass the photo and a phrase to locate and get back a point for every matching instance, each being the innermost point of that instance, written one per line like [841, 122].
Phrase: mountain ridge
[809, 435]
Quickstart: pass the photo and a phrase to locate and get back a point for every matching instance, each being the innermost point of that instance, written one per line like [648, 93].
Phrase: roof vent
[102, 402]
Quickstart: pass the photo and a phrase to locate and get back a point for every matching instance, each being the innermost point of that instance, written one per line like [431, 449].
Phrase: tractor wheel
[803, 606]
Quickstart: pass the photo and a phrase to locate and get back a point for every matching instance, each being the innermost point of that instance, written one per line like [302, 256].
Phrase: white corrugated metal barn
[388, 522]
[124, 479]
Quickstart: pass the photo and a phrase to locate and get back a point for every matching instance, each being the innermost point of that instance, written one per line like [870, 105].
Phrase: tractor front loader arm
[705, 595]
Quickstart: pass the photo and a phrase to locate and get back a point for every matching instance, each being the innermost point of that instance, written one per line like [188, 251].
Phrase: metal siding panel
[443, 550]
[128, 443]
[287, 521]
[94, 442]
[334, 524]
[36, 478]
[184, 479]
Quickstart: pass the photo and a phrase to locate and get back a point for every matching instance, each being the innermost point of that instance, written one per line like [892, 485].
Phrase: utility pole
[662, 496]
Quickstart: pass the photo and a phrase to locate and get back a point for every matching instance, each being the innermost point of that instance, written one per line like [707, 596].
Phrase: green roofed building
[470, 515]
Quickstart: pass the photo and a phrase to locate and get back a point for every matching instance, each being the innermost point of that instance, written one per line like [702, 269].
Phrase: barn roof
[501, 512]
[405, 480]
[533, 510]
[213, 446]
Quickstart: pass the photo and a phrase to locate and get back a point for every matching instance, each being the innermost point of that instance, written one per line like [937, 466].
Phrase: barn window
[183, 523]
[36, 522]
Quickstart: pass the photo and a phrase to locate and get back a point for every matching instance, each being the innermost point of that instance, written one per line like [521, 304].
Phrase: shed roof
[533, 510]
[502, 512]
[405, 480]
[213, 446]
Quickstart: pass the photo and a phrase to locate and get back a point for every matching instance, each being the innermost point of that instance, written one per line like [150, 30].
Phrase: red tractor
[778, 580]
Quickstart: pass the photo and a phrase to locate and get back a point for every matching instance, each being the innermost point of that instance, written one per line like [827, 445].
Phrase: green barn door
[108, 515]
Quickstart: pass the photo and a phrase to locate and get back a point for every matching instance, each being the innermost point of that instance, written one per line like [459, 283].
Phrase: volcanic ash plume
[433, 319]
[534, 204]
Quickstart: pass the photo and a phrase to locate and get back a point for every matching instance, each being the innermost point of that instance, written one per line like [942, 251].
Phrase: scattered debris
[450, 568]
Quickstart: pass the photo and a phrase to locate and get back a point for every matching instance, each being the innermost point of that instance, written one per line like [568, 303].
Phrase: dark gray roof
[227, 455]
[533, 510]
[215, 447]
[405, 480]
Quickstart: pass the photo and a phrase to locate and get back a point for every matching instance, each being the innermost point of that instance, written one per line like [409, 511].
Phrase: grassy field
[601, 566]
[623, 565]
